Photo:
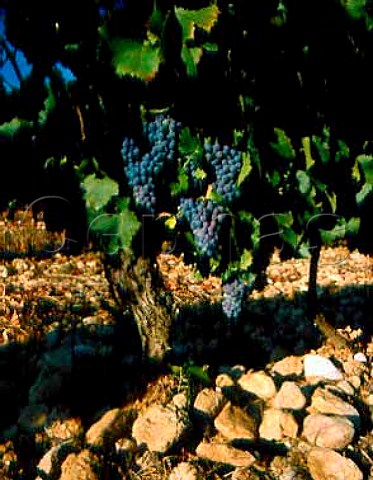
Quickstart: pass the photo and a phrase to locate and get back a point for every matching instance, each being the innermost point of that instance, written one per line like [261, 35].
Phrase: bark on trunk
[137, 286]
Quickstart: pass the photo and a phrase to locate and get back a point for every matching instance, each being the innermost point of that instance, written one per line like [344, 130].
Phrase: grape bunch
[233, 296]
[205, 218]
[142, 170]
[226, 163]
[196, 180]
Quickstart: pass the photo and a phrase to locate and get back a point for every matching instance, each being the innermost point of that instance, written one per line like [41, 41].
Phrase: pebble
[321, 367]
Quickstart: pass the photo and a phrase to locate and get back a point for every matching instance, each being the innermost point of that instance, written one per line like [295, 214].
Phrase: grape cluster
[142, 170]
[197, 184]
[233, 296]
[226, 163]
[205, 218]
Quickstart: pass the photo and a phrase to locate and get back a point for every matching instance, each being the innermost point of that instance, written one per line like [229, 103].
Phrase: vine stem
[312, 300]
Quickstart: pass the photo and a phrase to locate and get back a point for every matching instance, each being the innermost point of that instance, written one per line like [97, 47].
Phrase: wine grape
[205, 218]
[143, 169]
[233, 296]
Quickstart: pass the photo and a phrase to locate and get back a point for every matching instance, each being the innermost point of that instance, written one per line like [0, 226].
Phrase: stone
[326, 464]
[328, 431]
[324, 401]
[63, 429]
[208, 403]
[259, 384]
[105, 429]
[241, 473]
[79, 466]
[291, 366]
[289, 397]
[225, 453]
[234, 423]
[185, 471]
[224, 382]
[160, 427]
[320, 367]
[277, 424]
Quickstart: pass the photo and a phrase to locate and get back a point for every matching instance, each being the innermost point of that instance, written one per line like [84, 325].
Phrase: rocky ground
[273, 398]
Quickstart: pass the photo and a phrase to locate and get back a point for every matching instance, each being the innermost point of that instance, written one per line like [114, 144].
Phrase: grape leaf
[204, 18]
[171, 222]
[304, 181]
[363, 194]
[98, 191]
[306, 146]
[135, 58]
[245, 169]
[200, 174]
[12, 127]
[191, 57]
[182, 184]
[246, 259]
[49, 104]
[128, 224]
[187, 143]
[283, 145]
[105, 228]
[366, 164]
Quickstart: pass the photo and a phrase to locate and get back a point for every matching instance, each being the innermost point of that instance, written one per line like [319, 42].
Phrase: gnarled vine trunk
[137, 286]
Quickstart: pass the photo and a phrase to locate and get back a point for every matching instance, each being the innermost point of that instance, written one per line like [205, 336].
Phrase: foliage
[279, 156]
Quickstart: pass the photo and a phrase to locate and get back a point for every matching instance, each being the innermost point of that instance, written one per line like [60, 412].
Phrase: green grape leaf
[187, 143]
[182, 184]
[363, 194]
[8, 129]
[191, 57]
[306, 147]
[285, 219]
[49, 105]
[283, 145]
[274, 178]
[322, 145]
[129, 225]
[105, 228]
[210, 47]
[204, 18]
[136, 59]
[330, 236]
[245, 169]
[355, 8]
[353, 226]
[304, 181]
[366, 164]
[343, 151]
[98, 191]
[290, 237]
[246, 259]
[332, 199]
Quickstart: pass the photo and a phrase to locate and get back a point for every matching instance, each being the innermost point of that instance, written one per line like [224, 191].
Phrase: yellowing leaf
[171, 222]
[134, 58]
[306, 144]
[204, 18]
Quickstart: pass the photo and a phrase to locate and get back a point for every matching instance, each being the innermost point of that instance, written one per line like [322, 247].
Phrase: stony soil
[76, 405]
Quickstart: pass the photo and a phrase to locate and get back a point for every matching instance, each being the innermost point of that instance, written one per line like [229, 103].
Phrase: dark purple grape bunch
[205, 218]
[143, 169]
[226, 163]
[233, 296]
